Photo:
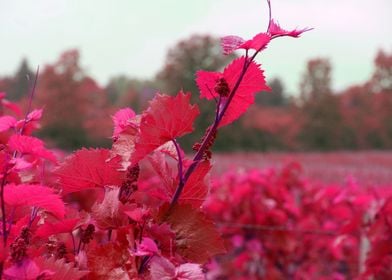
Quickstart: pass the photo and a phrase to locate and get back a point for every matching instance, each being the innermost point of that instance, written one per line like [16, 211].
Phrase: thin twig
[110, 231]
[179, 164]
[269, 15]
[31, 96]
[73, 243]
[199, 154]
[3, 214]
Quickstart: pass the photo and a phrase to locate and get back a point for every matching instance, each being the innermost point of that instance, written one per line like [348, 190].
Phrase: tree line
[77, 109]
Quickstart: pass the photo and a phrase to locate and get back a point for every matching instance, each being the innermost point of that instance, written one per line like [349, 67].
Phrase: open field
[369, 168]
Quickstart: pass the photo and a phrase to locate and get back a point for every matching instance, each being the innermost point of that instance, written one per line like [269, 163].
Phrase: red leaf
[138, 214]
[164, 236]
[196, 237]
[275, 30]
[252, 83]
[121, 120]
[60, 269]
[12, 106]
[196, 188]
[34, 195]
[162, 268]
[147, 247]
[109, 214]
[258, 42]
[87, 169]
[206, 82]
[124, 144]
[30, 145]
[232, 43]
[26, 270]
[167, 118]
[34, 115]
[6, 122]
[110, 261]
[63, 226]
[190, 271]
[165, 173]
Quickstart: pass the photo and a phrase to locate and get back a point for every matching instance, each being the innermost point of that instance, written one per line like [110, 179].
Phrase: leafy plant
[142, 208]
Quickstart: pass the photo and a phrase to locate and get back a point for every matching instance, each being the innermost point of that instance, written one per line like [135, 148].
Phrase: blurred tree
[366, 109]
[71, 102]
[117, 87]
[20, 83]
[316, 82]
[361, 124]
[382, 76]
[199, 52]
[381, 85]
[320, 108]
[276, 97]
[123, 91]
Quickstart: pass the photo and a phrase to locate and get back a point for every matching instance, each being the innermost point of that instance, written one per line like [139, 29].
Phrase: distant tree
[381, 85]
[198, 52]
[71, 101]
[382, 76]
[366, 108]
[19, 84]
[117, 87]
[320, 108]
[123, 91]
[316, 82]
[361, 122]
[276, 97]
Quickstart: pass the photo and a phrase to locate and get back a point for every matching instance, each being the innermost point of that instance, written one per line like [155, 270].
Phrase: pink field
[368, 168]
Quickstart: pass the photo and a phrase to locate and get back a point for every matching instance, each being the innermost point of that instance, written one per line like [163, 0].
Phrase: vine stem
[269, 14]
[180, 164]
[5, 172]
[219, 115]
[31, 97]
[3, 215]
[199, 154]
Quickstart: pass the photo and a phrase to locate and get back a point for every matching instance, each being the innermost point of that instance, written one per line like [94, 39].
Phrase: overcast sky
[132, 37]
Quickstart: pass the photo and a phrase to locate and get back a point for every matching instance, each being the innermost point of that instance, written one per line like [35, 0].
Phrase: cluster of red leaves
[126, 228]
[280, 226]
[113, 226]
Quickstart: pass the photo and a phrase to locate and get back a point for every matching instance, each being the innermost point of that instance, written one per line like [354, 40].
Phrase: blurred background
[331, 89]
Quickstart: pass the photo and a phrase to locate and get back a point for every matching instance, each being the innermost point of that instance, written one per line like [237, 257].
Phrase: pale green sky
[132, 37]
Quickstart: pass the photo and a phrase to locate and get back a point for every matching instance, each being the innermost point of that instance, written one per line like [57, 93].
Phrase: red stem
[31, 96]
[3, 214]
[269, 15]
[199, 155]
[179, 165]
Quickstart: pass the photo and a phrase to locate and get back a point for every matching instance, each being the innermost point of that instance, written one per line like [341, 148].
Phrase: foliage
[100, 214]
[286, 227]
[182, 63]
[318, 119]
[129, 229]
[74, 104]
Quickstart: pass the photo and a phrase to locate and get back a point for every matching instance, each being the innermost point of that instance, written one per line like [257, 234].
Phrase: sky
[132, 37]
